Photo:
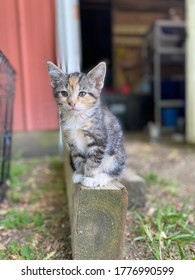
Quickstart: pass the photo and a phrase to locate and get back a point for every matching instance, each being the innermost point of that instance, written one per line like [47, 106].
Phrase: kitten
[91, 132]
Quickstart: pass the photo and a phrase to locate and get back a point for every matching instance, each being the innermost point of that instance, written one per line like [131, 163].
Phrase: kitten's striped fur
[91, 132]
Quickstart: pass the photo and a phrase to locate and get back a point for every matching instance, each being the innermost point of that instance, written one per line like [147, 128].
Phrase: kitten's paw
[89, 182]
[77, 178]
[103, 179]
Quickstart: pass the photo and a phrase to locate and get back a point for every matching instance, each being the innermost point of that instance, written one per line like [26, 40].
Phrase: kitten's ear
[97, 75]
[55, 74]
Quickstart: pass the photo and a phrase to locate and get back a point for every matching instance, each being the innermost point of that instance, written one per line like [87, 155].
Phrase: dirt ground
[37, 187]
[41, 189]
[172, 162]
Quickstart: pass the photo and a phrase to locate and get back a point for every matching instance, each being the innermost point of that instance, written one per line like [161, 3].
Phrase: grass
[154, 178]
[22, 219]
[32, 216]
[168, 231]
[17, 251]
[14, 196]
[24, 252]
[16, 219]
[21, 178]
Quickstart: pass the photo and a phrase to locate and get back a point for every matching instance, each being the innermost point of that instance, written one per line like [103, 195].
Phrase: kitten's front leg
[77, 162]
[92, 176]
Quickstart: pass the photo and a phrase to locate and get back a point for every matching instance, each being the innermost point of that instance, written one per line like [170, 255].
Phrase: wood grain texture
[97, 217]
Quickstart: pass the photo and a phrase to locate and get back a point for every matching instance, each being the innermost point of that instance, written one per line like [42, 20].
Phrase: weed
[32, 181]
[20, 252]
[166, 231]
[3, 255]
[152, 177]
[16, 219]
[22, 219]
[21, 169]
[38, 219]
[27, 252]
[17, 155]
[56, 164]
[155, 179]
[14, 248]
[14, 196]
[17, 169]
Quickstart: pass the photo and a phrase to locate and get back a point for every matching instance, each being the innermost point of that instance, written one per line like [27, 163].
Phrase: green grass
[32, 182]
[155, 179]
[24, 252]
[167, 232]
[21, 178]
[152, 178]
[21, 219]
[16, 184]
[14, 196]
[17, 251]
[56, 164]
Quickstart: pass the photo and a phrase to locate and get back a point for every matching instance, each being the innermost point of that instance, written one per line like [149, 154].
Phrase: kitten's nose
[71, 104]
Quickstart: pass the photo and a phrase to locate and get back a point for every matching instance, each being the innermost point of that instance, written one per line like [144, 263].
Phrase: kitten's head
[77, 92]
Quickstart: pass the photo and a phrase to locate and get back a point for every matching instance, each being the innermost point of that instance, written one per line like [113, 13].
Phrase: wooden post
[190, 71]
[97, 217]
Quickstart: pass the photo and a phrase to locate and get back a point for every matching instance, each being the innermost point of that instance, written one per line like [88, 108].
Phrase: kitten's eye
[82, 93]
[64, 93]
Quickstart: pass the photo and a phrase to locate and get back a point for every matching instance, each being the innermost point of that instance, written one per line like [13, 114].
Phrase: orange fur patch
[73, 83]
[87, 100]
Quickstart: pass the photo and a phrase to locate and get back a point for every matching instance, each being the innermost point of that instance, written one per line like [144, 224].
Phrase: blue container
[169, 89]
[169, 117]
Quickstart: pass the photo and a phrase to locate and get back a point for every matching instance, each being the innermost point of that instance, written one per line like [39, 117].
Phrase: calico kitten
[91, 132]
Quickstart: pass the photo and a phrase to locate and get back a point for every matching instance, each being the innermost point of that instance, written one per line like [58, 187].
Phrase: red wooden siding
[27, 38]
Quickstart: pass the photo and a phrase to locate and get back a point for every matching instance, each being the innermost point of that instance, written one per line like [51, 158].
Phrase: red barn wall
[27, 29]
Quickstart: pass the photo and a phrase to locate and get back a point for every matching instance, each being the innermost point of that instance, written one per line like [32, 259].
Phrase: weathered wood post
[97, 217]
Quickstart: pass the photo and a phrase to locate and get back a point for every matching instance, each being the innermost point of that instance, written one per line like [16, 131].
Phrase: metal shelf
[171, 51]
[163, 45]
[166, 103]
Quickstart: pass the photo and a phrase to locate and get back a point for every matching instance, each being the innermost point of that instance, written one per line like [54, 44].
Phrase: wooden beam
[133, 41]
[127, 29]
[190, 71]
[97, 217]
[125, 17]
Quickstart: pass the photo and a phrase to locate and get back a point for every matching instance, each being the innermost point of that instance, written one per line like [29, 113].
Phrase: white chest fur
[73, 132]
[76, 137]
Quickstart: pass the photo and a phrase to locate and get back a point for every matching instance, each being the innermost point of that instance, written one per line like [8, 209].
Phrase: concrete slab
[35, 143]
[136, 188]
